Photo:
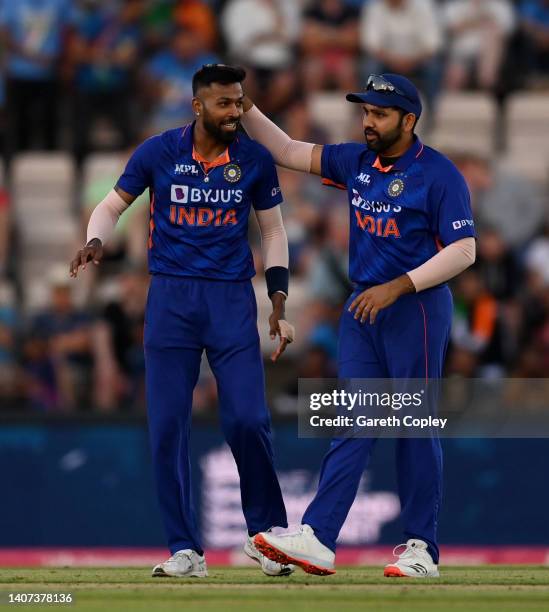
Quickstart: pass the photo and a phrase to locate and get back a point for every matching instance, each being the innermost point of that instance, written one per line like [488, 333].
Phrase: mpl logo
[463, 223]
[186, 169]
[363, 178]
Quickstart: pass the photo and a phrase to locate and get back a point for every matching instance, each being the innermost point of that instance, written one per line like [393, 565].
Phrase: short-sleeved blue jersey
[199, 221]
[401, 215]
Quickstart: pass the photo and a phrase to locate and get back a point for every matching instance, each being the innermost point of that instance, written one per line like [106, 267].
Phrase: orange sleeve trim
[331, 183]
[484, 317]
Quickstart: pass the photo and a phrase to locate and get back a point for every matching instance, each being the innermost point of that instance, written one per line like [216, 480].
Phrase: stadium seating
[333, 113]
[527, 118]
[465, 121]
[43, 187]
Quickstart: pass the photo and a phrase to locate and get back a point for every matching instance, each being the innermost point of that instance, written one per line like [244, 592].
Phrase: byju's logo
[187, 169]
[183, 194]
[180, 194]
[463, 223]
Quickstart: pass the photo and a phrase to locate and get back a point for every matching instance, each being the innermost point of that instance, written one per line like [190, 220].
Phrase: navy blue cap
[406, 98]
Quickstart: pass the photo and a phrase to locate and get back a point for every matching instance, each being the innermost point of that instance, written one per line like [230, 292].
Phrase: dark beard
[217, 133]
[385, 142]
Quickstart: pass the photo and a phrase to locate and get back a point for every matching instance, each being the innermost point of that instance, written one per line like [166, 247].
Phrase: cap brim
[383, 100]
[373, 97]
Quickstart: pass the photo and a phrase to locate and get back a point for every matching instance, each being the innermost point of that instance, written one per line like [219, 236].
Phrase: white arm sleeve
[274, 242]
[105, 216]
[446, 264]
[292, 154]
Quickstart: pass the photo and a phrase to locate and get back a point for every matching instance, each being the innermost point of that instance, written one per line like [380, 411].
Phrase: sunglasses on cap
[380, 84]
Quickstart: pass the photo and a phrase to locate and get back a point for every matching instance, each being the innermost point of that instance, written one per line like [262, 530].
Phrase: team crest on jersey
[232, 173]
[396, 187]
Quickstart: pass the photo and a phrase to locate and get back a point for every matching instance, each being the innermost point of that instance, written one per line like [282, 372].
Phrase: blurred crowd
[101, 75]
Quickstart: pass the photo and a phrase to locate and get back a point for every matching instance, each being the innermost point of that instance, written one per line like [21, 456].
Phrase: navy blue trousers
[184, 317]
[408, 340]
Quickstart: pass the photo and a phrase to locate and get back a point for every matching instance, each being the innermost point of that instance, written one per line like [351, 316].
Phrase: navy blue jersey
[199, 211]
[400, 215]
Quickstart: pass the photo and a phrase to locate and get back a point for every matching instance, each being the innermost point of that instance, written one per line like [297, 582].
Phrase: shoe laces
[409, 551]
[180, 555]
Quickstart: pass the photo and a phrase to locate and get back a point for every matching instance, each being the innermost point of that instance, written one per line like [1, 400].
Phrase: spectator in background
[261, 35]
[118, 345]
[479, 30]
[8, 352]
[534, 16]
[497, 265]
[328, 275]
[32, 34]
[168, 80]
[58, 349]
[505, 202]
[197, 17]
[404, 37]
[158, 22]
[103, 50]
[5, 230]
[476, 327]
[329, 44]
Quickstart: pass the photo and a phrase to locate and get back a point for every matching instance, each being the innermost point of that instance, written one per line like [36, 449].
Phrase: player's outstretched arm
[100, 228]
[274, 249]
[292, 154]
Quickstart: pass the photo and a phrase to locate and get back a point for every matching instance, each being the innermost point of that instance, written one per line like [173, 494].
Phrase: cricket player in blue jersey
[411, 230]
[203, 180]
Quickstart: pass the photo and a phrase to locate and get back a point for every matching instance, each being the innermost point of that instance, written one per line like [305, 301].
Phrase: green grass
[460, 589]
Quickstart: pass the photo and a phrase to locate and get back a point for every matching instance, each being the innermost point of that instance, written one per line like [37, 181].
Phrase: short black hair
[217, 73]
[403, 113]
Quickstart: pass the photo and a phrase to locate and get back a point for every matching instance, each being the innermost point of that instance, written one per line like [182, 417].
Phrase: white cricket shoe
[183, 563]
[302, 548]
[269, 568]
[413, 562]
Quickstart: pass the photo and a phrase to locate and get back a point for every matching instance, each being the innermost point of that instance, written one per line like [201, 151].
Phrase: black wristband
[277, 279]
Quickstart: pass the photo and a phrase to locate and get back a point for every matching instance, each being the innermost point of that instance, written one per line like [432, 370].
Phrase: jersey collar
[187, 142]
[403, 162]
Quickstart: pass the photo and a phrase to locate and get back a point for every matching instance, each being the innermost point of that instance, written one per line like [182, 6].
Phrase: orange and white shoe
[301, 548]
[413, 562]
[268, 567]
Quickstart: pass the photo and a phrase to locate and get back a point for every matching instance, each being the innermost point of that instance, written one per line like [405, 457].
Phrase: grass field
[471, 589]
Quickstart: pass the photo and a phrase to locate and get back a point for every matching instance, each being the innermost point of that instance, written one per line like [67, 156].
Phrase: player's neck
[399, 148]
[206, 145]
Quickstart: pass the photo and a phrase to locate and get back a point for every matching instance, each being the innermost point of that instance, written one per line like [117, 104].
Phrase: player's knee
[248, 425]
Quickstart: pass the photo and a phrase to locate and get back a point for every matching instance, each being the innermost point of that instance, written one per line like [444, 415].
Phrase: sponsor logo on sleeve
[459, 223]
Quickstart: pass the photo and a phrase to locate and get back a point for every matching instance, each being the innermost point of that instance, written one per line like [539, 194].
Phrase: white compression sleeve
[446, 264]
[105, 216]
[292, 154]
[274, 241]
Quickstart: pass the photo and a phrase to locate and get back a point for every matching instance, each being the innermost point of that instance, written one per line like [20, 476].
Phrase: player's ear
[409, 122]
[197, 106]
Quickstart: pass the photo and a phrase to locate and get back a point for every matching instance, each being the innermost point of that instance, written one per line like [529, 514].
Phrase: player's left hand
[278, 326]
[370, 302]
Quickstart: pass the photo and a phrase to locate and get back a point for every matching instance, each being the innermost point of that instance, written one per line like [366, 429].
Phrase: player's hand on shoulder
[93, 251]
[368, 303]
[278, 326]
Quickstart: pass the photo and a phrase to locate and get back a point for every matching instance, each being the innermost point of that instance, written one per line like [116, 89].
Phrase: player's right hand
[93, 251]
